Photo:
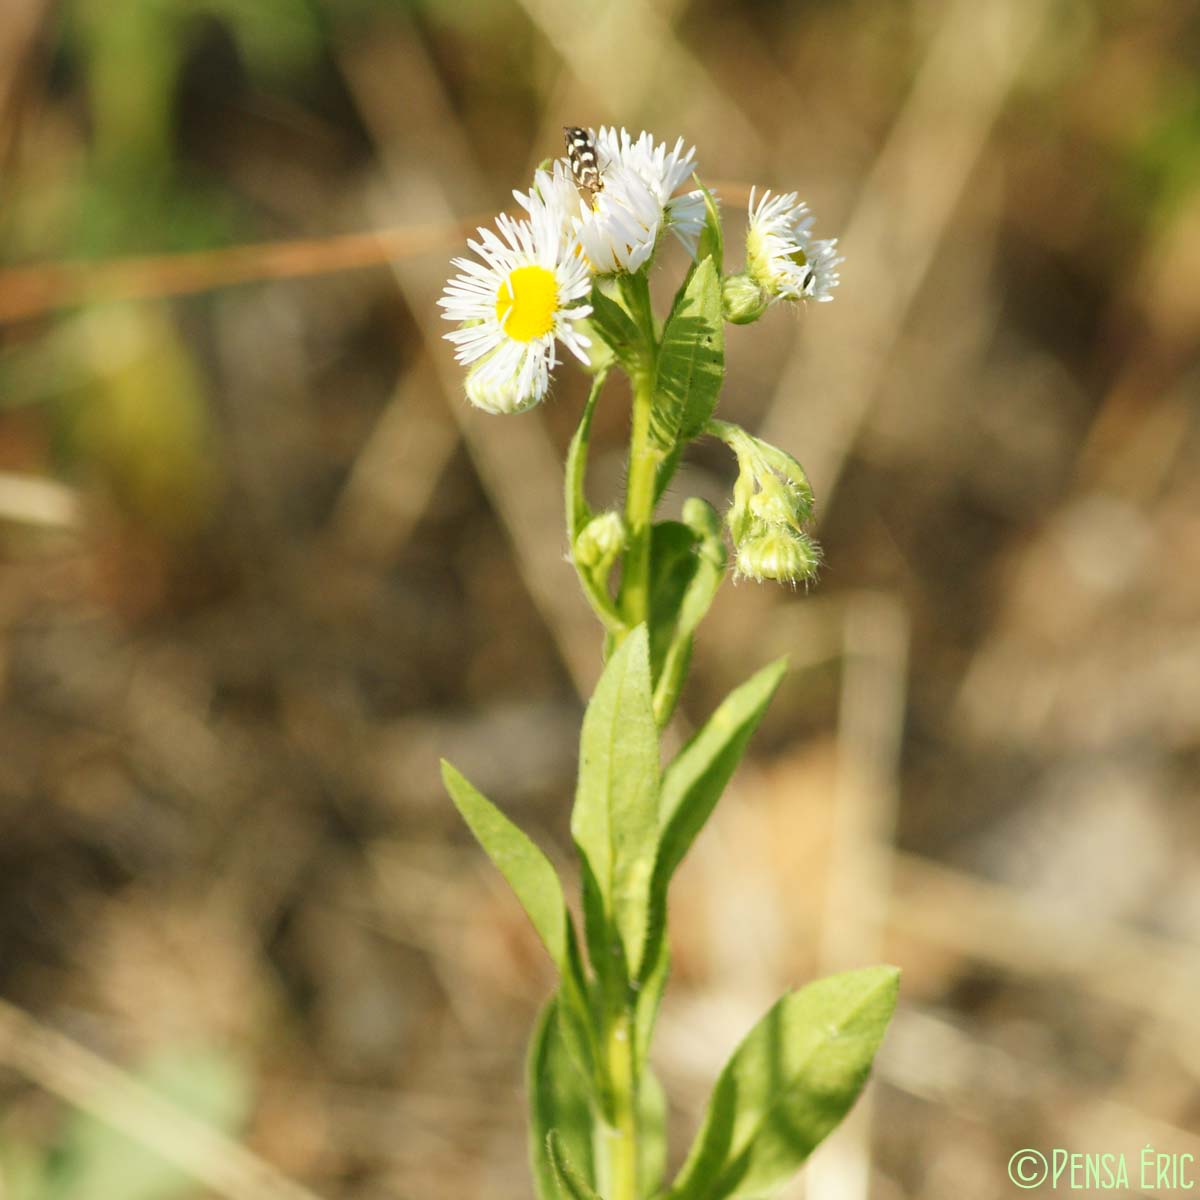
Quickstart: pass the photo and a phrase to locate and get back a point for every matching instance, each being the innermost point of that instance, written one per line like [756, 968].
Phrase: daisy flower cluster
[548, 281]
[528, 290]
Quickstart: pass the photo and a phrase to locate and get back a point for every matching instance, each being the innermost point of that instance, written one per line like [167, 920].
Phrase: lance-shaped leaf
[651, 985]
[579, 513]
[558, 1102]
[532, 877]
[592, 579]
[528, 871]
[617, 328]
[709, 557]
[615, 819]
[787, 1085]
[693, 782]
[712, 242]
[697, 775]
[652, 1134]
[571, 1185]
[691, 360]
[673, 566]
[666, 472]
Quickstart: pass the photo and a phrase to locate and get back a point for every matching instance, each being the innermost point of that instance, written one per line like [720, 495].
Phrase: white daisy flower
[632, 208]
[662, 171]
[514, 305]
[619, 234]
[783, 256]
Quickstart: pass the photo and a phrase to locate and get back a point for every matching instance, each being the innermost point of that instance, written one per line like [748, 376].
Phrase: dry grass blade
[33, 501]
[907, 201]
[75, 1074]
[631, 49]
[33, 291]
[517, 462]
[870, 725]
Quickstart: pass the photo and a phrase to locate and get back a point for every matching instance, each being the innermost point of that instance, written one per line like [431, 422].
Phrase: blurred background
[260, 565]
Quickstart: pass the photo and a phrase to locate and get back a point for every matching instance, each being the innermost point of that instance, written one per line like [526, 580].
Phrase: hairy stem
[644, 458]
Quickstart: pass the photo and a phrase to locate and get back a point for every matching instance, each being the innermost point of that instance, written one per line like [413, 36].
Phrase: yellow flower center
[526, 303]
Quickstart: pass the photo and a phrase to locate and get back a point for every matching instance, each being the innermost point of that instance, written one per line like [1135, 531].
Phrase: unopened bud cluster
[772, 502]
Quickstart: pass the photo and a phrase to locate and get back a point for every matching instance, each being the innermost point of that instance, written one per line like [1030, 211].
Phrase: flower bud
[599, 542]
[779, 503]
[774, 552]
[743, 299]
[500, 397]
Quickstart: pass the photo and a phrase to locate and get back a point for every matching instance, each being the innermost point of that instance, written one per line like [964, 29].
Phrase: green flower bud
[779, 503]
[498, 396]
[599, 542]
[774, 552]
[743, 299]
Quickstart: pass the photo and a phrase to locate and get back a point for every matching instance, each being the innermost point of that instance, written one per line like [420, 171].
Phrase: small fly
[585, 166]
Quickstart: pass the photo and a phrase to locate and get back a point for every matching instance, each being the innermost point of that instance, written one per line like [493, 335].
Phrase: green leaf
[666, 472]
[652, 1134]
[673, 565]
[705, 523]
[535, 882]
[528, 871]
[691, 361]
[616, 327]
[712, 242]
[697, 775]
[787, 1085]
[651, 985]
[708, 575]
[615, 819]
[592, 578]
[694, 780]
[579, 513]
[571, 1185]
[558, 1101]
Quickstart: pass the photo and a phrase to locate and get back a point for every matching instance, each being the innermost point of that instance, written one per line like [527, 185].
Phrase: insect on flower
[585, 167]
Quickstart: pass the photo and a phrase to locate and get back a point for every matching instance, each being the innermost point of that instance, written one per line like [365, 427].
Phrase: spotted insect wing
[585, 166]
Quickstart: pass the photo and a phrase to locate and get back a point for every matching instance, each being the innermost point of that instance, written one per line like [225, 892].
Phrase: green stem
[644, 458]
[621, 1138]
[639, 508]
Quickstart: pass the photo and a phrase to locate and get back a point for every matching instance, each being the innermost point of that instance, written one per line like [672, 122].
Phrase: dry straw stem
[627, 54]
[33, 291]
[936, 1059]
[875, 643]
[991, 923]
[75, 1074]
[904, 210]
[30, 500]
[517, 463]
